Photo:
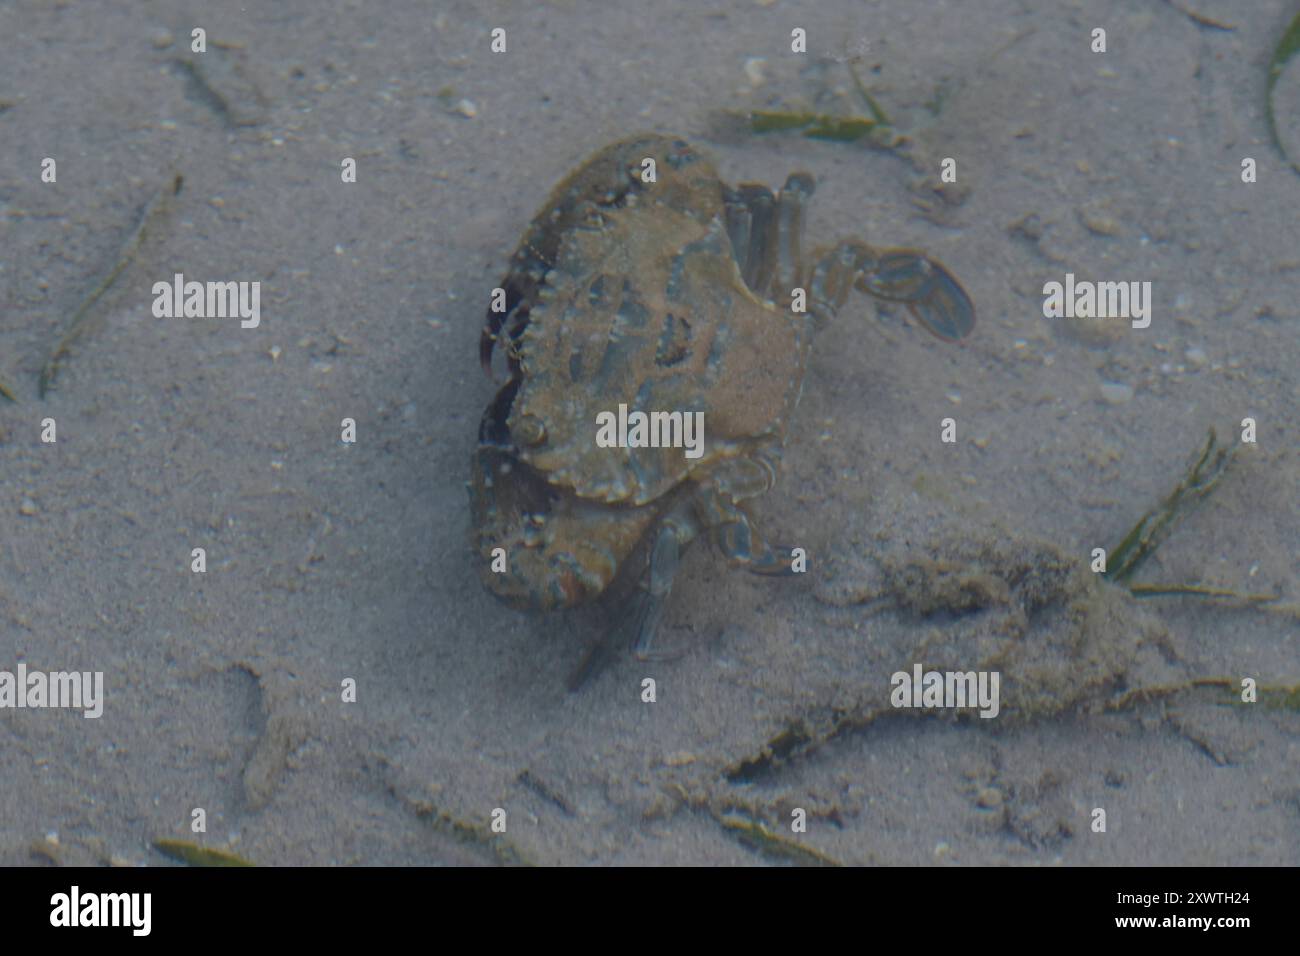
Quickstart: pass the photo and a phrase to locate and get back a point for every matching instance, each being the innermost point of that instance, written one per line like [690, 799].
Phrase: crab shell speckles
[649, 311]
[672, 293]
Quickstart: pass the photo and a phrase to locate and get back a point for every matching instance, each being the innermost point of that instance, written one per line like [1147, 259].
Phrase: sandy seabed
[327, 561]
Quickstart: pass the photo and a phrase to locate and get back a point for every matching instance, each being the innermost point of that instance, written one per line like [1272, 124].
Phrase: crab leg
[760, 256]
[765, 231]
[740, 222]
[790, 205]
[677, 530]
[737, 537]
[717, 503]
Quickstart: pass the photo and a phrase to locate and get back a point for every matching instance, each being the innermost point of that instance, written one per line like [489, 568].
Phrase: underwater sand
[327, 561]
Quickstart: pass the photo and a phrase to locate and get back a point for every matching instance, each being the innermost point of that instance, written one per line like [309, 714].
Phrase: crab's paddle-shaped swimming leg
[640, 615]
[925, 286]
[640, 618]
[712, 506]
[646, 608]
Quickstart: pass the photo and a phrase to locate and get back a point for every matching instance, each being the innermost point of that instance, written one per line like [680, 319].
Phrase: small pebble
[28, 507]
[1196, 357]
[1099, 223]
[1116, 393]
[754, 70]
[989, 798]
[161, 38]
[465, 108]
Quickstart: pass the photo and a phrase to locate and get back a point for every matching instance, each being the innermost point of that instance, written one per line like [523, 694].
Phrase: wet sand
[327, 561]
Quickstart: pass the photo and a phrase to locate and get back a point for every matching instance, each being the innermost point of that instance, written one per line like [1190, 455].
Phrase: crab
[646, 281]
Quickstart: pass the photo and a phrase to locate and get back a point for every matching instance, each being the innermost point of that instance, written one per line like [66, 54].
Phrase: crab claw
[929, 291]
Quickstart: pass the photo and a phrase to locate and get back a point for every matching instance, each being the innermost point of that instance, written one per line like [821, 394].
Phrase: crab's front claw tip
[945, 310]
[928, 289]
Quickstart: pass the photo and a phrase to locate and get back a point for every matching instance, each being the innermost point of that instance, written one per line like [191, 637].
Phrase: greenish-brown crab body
[646, 282]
